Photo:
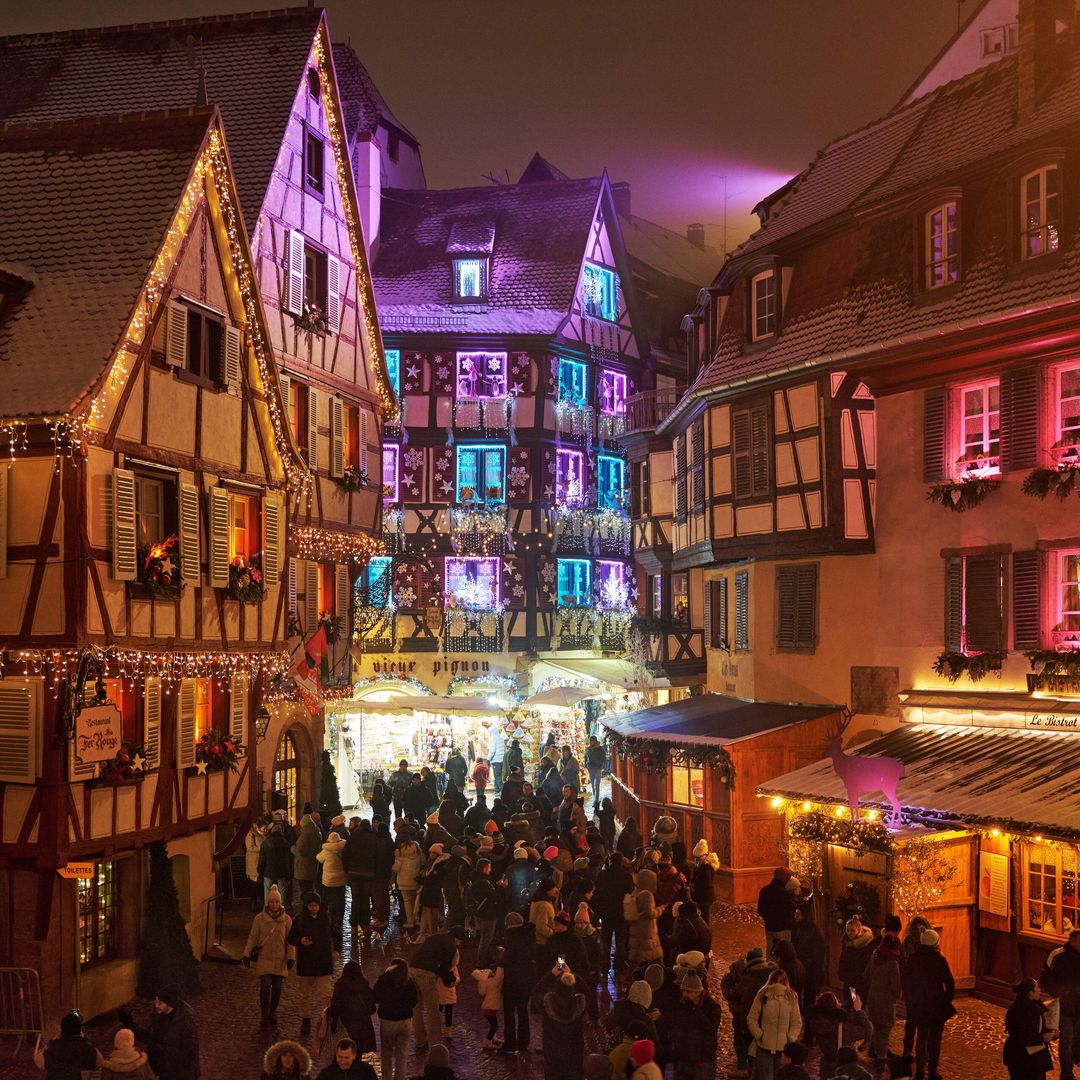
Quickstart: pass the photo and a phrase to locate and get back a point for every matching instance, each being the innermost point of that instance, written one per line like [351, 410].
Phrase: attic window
[470, 279]
[599, 292]
[313, 82]
[1040, 211]
[314, 163]
[763, 300]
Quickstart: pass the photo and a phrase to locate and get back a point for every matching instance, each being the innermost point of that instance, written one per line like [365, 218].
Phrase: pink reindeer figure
[865, 775]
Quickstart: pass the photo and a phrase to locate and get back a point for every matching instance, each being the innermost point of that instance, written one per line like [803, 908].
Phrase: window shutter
[238, 709]
[185, 724]
[707, 602]
[740, 450]
[3, 521]
[311, 597]
[722, 639]
[293, 572]
[337, 437]
[152, 723]
[190, 556]
[983, 630]
[934, 435]
[680, 478]
[341, 594]
[294, 284]
[742, 611]
[1019, 419]
[806, 607]
[759, 449]
[698, 448]
[286, 396]
[271, 542]
[219, 538]
[20, 731]
[124, 553]
[176, 334]
[1027, 599]
[333, 295]
[786, 615]
[232, 346]
[312, 428]
[954, 603]
[363, 441]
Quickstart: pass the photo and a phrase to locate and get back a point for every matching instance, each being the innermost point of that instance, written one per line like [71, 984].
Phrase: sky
[704, 106]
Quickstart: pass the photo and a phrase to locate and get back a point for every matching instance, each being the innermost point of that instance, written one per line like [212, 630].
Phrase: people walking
[595, 760]
[360, 860]
[481, 776]
[286, 1060]
[496, 755]
[275, 865]
[405, 870]
[1061, 979]
[352, 1005]
[252, 845]
[519, 980]
[1026, 1053]
[562, 1012]
[433, 963]
[317, 946]
[882, 993]
[396, 998]
[334, 878]
[928, 992]
[456, 768]
[776, 906]
[171, 1039]
[308, 844]
[489, 985]
[269, 953]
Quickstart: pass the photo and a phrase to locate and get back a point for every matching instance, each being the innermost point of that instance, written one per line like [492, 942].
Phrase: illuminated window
[569, 477]
[1068, 593]
[391, 453]
[942, 246]
[378, 580]
[656, 592]
[1068, 406]
[573, 382]
[243, 526]
[316, 280]
[763, 301]
[393, 367]
[481, 375]
[1050, 904]
[613, 590]
[611, 483]
[680, 599]
[97, 914]
[612, 393]
[150, 510]
[575, 583]
[328, 589]
[204, 707]
[351, 419]
[286, 765]
[599, 292]
[470, 279]
[1040, 211]
[473, 583]
[687, 785]
[980, 427]
[481, 473]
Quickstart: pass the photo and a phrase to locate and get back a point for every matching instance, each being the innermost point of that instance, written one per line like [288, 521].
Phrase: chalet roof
[541, 232]
[85, 210]
[361, 102]
[253, 65]
[977, 776]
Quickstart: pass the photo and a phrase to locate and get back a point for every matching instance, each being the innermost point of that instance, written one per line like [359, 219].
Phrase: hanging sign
[81, 870]
[98, 732]
[993, 883]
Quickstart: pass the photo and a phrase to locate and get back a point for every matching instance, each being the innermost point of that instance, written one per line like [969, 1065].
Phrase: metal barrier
[20, 1004]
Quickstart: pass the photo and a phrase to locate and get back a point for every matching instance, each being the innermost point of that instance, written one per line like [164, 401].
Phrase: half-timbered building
[143, 542]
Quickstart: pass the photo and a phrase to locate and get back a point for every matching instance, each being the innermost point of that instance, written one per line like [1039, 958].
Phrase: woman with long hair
[1026, 1054]
[353, 1004]
[774, 1021]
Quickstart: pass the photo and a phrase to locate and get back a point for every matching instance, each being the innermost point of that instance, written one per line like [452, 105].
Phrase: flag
[305, 669]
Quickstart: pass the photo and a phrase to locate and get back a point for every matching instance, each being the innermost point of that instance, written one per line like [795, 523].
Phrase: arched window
[286, 767]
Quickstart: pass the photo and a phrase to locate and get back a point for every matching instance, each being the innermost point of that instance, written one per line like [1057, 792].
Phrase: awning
[432, 704]
[714, 719]
[563, 696]
[608, 670]
[1025, 781]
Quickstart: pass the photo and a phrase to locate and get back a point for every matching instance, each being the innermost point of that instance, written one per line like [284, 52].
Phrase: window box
[1059, 481]
[122, 770]
[963, 494]
[246, 579]
[313, 320]
[217, 752]
[159, 568]
[952, 665]
[352, 479]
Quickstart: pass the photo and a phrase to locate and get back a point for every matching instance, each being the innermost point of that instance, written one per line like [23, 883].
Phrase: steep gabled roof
[85, 210]
[540, 235]
[253, 65]
[669, 252]
[362, 103]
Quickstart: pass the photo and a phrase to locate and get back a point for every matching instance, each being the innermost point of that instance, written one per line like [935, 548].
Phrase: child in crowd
[489, 982]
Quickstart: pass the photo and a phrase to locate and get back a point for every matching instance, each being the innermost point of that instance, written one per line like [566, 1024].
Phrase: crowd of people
[540, 910]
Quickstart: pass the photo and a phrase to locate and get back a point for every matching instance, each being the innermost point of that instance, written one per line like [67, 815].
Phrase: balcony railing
[647, 410]
[472, 631]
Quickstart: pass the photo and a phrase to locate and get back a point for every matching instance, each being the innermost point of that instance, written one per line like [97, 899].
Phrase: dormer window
[599, 292]
[763, 305]
[1040, 212]
[942, 258]
[470, 279]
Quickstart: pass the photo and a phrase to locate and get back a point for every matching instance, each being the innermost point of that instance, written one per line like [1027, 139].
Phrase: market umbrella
[565, 697]
[436, 704]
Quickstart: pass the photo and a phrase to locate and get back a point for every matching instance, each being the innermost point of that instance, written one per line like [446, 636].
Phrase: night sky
[670, 95]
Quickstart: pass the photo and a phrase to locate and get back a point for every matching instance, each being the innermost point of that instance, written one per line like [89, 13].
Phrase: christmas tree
[165, 955]
[329, 796]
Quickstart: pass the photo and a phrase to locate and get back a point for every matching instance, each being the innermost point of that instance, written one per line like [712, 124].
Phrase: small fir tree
[165, 955]
[329, 795]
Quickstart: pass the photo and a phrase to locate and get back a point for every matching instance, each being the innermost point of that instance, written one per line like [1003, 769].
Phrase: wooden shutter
[232, 351]
[722, 639]
[219, 538]
[271, 542]
[176, 334]
[708, 604]
[697, 435]
[311, 597]
[190, 556]
[152, 723]
[1019, 419]
[954, 603]
[312, 428]
[740, 452]
[759, 449]
[796, 616]
[3, 522]
[238, 709]
[1027, 599]
[294, 283]
[680, 478]
[337, 437]
[742, 610]
[294, 572]
[341, 593]
[125, 557]
[983, 609]
[20, 730]
[286, 396]
[934, 435]
[333, 295]
[185, 724]
[363, 443]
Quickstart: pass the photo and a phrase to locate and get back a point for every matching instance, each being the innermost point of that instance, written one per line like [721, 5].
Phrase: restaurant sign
[98, 731]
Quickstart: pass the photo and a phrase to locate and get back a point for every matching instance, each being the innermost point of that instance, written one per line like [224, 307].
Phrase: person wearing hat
[703, 877]
[405, 870]
[347, 1064]
[268, 951]
[172, 1039]
[125, 1061]
[928, 992]
[643, 1060]
[562, 1014]
[431, 891]
[641, 914]
[69, 1055]
[435, 962]
[776, 906]
[1026, 1028]
[740, 986]
[520, 877]
[317, 947]
[286, 1060]
[542, 910]
[691, 932]
[456, 768]
[691, 1024]
[633, 1014]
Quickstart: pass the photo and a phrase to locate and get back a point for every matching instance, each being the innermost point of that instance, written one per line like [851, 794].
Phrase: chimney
[367, 159]
[620, 192]
[695, 234]
[1038, 37]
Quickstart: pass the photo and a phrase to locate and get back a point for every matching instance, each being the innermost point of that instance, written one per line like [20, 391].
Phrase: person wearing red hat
[642, 1055]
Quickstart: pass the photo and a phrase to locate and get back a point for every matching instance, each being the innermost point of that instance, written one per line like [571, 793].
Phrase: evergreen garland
[963, 494]
[657, 756]
[165, 954]
[329, 795]
[1060, 481]
[951, 665]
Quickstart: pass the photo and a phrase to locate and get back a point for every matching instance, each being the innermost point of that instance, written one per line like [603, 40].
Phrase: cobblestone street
[232, 1042]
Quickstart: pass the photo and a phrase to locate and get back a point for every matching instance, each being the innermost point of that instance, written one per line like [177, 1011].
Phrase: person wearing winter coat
[703, 876]
[125, 1062]
[831, 1027]
[595, 760]
[1026, 1028]
[481, 777]
[456, 768]
[643, 1064]
[774, 1020]
[691, 932]
[267, 950]
[308, 844]
[334, 878]
[633, 1016]
[613, 884]
[408, 862]
[489, 985]
[562, 1011]
[776, 906]
[855, 951]
[446, 992]
[519, 980]
[690, 1027]
[810, 949]
[787, 960]
[352, 1004]
[380, 885]
[515, 758]
[570, 770]
[275, 865]
[629, 840]
[396, 998]
[347, 1064]
[928, 992]
[882, 979]
[569, 814]
[1061, 979]
[431, 892]
[520, 878]
[605, 817]
[434, 967]
[317, 946]
[417, 799]
[286, 1060]
[847, 1065]
[172, 1039]
[451, 819]
[641, 915]
[70, 1055]
[252, 844]
[542, 911]
[360, 859]
[740, 987]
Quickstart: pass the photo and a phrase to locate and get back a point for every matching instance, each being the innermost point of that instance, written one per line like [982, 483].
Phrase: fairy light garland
[326, 545]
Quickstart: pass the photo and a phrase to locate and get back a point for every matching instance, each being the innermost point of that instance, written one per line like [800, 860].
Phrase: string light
[326, 545]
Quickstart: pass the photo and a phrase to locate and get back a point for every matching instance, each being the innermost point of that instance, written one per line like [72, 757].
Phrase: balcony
[468, 631]
[649, 409]
[615, 630]
[575, 628]
[488, 418]
[480, 529]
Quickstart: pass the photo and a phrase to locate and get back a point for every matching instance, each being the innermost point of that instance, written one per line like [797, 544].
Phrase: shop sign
[1050, 721]
[98, 733]
[461, 667]
[384, 665]
[81, 870]
[993, 883]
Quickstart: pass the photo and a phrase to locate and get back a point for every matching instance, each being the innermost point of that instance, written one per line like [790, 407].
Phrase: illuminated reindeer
[865, 775]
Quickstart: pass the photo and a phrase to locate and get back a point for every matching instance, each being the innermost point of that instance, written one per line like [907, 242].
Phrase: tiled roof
[85, 210]
[541, 231]
[1020, 779]
[253, 66]
[669, 252]
[361, 101]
